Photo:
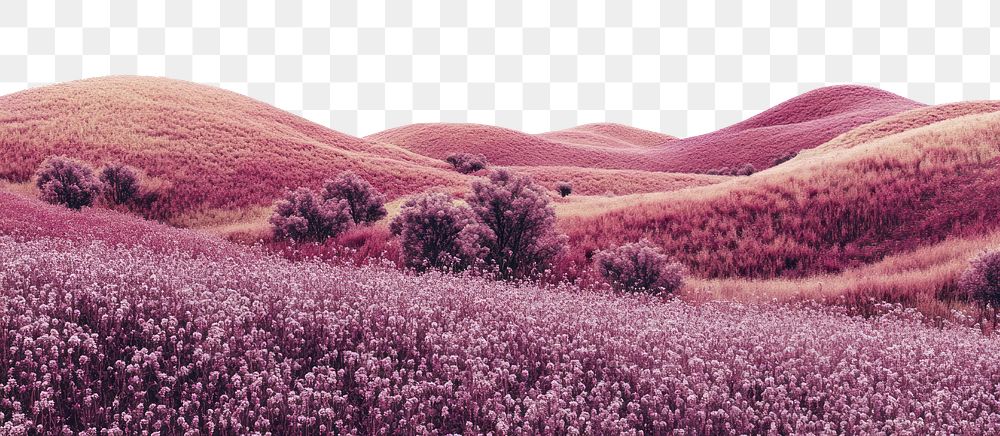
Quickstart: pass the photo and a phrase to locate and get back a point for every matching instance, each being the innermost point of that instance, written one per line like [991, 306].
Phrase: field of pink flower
[99, 334]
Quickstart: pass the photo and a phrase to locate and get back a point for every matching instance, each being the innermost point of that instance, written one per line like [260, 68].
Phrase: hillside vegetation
[146, 337]
[826, 211]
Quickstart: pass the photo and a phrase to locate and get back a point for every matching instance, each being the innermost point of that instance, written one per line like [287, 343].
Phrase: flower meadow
[99, 336]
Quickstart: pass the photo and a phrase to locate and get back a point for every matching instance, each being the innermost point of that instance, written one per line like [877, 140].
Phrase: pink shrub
[120, 183]
[303, 216]
[67, 181]
[467, 163]
[430, 227]
[640, 267]
[564, 188]
[515, 229]
[981, 281]
[366, 202]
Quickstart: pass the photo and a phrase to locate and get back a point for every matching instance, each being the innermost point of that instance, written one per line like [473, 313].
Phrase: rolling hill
[803, 122]
[823, 211]
[214, 149]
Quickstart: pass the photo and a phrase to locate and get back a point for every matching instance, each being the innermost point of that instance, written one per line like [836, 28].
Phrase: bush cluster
[467, 163]
[742, 170]
[430, 228]
[66, 181]
[508, 227]
[74, 184]
[640, 267]
[366, 203]
[304, 215]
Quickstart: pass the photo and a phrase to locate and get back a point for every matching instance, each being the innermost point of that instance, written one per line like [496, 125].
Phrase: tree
[366, 203]
[467, 163]
[67, 181]
[639, 267]
[515, 229]
[120, 182]
[981, 280]
[304, 216]
[430, 227]
[564, 188]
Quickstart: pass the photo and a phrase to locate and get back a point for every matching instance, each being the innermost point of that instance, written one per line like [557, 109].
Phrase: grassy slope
[216, 149]
[823, 212]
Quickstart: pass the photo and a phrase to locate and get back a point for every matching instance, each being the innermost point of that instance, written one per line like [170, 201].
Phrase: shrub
[745, 170]
[429, 227]
[467, 163]
[303, 216]
[564, 188]
[120, 183]
[67, 181]
[365, 202]
[515, 232]
[981, 280]
[640, 267]
[785, 157]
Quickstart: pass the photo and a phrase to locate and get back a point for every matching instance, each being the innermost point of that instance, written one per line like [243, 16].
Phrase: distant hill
[803, 122]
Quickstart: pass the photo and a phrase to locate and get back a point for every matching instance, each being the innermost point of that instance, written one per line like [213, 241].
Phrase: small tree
[303, 216]
[366, 203]
[67, 181]
[515, 232]
[120, 182]
[564, 188]
[640, 267]
[467, 163]
[430, 227]
[981, 280]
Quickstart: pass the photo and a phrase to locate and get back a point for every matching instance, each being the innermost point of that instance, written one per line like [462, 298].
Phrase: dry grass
[908, 120]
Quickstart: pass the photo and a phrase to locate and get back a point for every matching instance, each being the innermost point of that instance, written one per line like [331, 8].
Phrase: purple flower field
[99, 339]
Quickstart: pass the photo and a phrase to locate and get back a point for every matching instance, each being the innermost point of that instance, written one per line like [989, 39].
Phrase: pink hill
[803, 122]
[800, 123]
[504, 146]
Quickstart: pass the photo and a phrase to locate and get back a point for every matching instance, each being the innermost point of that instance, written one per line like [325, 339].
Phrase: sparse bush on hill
[120, 183]
[640, 267]
[742, 170]
[367, 204]
[784, 157]
[981, 281]
[564, 188]
[430, 227]
[745, 170]
[515, 231]
[68, 182]
[467, 163]
[304, 216]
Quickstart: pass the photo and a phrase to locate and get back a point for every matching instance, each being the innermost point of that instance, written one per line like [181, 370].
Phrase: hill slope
[217, 149]
[823, 211]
